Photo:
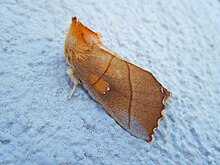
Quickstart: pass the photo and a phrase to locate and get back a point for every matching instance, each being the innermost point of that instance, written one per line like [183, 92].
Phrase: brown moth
[130, 94]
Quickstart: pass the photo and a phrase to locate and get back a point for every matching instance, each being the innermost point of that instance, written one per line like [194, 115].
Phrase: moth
[130, 94]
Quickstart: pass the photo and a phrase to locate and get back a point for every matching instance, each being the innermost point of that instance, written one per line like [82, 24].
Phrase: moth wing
[130, 94]
[147, 102]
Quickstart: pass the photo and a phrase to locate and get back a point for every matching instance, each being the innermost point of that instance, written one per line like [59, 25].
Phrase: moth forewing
[130, 94]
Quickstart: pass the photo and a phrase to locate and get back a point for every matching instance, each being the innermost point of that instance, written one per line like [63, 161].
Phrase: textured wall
[176, 40]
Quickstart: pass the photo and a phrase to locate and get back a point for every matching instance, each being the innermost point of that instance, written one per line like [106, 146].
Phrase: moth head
[81, 36]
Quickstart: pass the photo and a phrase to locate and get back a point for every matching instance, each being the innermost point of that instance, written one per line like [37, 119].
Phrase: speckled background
[176, 40]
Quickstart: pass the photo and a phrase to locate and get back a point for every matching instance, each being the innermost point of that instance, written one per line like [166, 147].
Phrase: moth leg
[70, 72]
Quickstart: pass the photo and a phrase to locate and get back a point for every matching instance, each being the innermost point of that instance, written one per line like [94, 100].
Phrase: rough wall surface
[176, 40]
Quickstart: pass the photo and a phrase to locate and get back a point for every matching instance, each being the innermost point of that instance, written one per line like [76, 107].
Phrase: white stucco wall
[178, 41]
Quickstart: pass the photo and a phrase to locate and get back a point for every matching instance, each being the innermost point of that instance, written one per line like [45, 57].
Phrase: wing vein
[130, 100]
[104, 71]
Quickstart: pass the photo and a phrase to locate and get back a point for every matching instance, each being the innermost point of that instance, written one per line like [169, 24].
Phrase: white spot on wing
[108, 89]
